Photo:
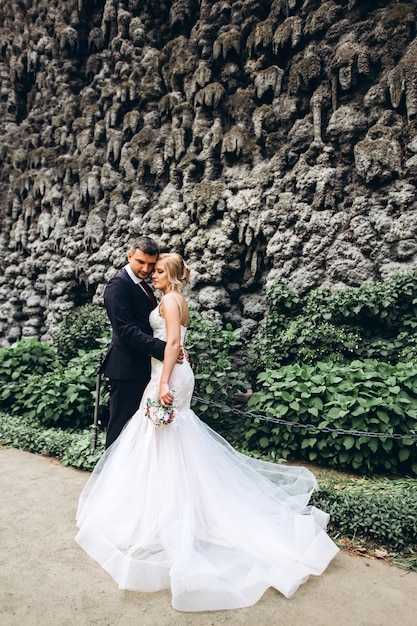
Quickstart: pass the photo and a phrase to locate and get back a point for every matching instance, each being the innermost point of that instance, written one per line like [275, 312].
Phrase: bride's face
[160, 277]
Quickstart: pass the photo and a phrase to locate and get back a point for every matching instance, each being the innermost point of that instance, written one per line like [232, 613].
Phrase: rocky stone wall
[263, 139]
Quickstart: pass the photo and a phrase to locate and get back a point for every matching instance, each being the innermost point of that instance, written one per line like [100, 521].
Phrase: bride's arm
[172, 315]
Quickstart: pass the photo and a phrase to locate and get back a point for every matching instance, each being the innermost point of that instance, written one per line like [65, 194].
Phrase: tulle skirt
[177, 507]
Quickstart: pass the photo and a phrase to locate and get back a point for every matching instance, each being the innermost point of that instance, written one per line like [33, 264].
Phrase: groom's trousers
[125, 397]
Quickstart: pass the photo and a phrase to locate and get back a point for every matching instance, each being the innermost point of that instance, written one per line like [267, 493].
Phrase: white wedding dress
[176, 507]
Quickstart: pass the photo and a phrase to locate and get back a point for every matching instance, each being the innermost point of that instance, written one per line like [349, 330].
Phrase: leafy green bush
[218, 379]
[84, 328]
[63, 397]
[305, 341]
[384, 305]
[371, 321]
[55, 385]
[365, 396]
[25, 358]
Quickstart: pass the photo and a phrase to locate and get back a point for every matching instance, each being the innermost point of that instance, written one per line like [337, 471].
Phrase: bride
[171, 505]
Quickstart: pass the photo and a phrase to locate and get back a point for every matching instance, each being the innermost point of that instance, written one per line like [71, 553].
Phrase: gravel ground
[46, 579]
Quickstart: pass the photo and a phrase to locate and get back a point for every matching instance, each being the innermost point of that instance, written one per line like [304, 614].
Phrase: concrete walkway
[47, 580]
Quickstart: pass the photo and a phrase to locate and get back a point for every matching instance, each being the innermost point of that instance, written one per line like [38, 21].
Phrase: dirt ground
[46, 579]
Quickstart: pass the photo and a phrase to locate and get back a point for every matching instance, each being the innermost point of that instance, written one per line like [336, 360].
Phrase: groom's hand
[183, 355]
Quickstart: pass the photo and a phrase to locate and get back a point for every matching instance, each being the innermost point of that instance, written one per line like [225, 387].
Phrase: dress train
[175, 506]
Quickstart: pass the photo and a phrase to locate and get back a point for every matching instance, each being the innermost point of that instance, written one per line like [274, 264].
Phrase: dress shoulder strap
[179, 304]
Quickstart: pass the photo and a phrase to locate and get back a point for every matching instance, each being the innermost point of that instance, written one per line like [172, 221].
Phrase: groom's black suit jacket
[132, 344]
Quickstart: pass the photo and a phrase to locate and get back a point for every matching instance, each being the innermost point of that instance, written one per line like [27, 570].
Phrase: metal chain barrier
[309, 427]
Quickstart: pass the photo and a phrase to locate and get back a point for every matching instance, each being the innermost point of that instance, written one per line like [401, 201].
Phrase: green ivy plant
[371, 321]
[382, 511]
[72, 447]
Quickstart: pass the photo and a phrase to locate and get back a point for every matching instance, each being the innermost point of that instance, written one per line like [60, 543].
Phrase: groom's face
[141, 264]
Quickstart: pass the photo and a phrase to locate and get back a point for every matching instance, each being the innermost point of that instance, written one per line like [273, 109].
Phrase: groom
[128, 301]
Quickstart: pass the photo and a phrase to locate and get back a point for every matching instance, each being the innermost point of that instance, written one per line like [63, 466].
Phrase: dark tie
[149, 292]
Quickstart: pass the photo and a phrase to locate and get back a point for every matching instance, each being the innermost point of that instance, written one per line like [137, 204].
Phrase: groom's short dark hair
[145, 245]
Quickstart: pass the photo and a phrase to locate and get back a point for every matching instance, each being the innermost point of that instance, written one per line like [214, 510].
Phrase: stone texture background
[263, 139]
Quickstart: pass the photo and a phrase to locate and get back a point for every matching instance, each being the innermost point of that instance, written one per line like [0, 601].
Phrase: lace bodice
[159, 328]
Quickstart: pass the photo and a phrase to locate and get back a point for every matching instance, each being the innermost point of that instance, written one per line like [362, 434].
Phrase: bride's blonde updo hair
[177, 269]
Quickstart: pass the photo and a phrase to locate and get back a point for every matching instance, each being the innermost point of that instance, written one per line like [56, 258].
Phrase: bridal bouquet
[158, 414]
